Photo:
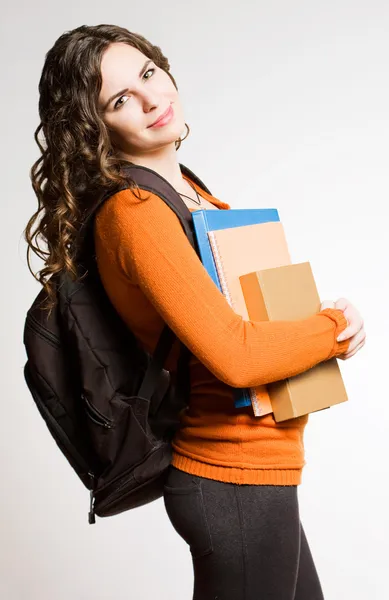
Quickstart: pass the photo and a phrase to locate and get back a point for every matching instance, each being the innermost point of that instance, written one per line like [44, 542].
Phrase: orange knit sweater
[153, 276]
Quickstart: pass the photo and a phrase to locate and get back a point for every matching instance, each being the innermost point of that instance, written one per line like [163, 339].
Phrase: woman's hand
[354, 330]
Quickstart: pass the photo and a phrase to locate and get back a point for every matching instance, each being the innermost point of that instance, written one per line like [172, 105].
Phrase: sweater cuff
[340, 325]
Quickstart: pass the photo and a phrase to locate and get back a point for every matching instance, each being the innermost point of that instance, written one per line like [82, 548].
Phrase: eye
[117, 105]
[148, 71]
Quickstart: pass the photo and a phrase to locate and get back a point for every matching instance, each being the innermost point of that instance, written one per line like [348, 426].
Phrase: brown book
[289, 293]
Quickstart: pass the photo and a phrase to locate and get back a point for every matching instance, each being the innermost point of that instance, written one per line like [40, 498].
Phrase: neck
[164, 161]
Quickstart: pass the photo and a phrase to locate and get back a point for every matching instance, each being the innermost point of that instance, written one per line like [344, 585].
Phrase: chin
[171, 134]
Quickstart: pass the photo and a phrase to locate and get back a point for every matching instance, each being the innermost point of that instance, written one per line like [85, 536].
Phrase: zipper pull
[91, 514]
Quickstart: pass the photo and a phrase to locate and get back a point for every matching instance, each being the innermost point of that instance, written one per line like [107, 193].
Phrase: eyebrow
[125, 89]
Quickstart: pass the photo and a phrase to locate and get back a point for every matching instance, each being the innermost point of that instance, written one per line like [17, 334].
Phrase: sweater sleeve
[154, 253]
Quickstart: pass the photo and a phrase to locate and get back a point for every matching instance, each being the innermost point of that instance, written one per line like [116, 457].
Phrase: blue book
[214, 220]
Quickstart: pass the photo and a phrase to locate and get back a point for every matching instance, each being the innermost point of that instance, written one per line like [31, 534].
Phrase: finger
[352, 314]
[342, 303]
[356, 342]
[350, 354]
[356, 339]
[351, 330]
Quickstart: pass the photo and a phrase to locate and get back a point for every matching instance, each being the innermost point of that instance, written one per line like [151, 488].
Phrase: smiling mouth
[164, 118]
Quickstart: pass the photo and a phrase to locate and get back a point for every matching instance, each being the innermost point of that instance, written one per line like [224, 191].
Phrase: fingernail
[340, 338]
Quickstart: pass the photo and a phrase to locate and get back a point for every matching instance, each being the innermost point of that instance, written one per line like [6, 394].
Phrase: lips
[162, 117]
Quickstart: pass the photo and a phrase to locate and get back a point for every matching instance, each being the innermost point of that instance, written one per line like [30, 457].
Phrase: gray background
[288, 106]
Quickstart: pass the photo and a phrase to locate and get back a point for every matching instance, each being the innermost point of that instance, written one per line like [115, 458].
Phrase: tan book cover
[242, 250]
[289, 293]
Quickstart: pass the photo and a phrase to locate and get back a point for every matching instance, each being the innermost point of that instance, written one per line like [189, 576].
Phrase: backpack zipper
[36, 327]
[76, 457]
[33, 324]
[121, 480]
[98, 417]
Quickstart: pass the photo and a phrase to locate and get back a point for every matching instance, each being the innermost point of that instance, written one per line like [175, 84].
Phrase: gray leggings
[246, 541]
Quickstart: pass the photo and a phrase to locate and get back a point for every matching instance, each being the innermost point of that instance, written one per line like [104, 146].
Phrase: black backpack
[111, 408]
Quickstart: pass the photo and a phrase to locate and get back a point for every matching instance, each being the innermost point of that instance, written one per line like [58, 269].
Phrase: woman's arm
[153, 251]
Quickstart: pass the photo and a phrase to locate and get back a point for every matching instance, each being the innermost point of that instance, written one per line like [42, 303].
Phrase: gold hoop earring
[180, 140]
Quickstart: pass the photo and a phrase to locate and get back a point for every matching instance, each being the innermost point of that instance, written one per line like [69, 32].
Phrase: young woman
[106, 98]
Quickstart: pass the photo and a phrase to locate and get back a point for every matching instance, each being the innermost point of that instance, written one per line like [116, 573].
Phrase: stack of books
[246, 254]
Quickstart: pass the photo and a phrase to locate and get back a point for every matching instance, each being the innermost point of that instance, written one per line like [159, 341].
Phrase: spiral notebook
[241, 250]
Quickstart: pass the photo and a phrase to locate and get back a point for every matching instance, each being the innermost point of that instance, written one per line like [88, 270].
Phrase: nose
[149, 101]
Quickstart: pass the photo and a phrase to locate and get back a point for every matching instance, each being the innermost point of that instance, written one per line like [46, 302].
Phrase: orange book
[242, 250]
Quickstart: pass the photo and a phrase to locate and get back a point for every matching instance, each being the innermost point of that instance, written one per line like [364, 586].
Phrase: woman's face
[149, 93]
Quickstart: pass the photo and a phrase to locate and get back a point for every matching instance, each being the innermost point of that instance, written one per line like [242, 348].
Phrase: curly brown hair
[77, 154]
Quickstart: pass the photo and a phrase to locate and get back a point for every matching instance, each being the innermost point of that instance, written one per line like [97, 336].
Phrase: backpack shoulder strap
[150, 180]
[186, 171]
